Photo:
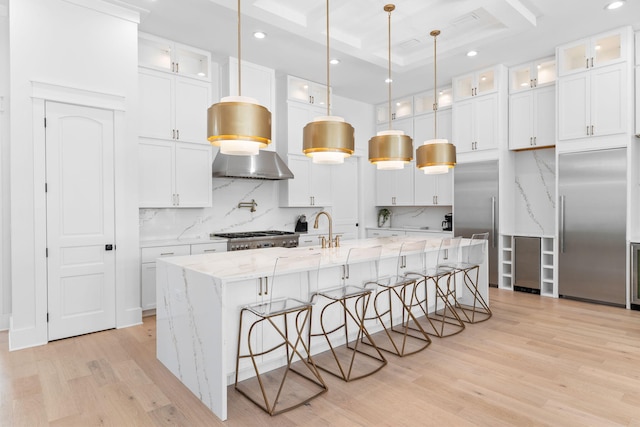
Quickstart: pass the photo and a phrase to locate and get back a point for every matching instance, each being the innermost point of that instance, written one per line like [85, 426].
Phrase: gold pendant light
[390, 149]
[238, 124]
[435, 156]
[328, 139]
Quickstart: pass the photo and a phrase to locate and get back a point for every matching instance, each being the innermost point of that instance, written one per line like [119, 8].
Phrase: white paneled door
[80, 219]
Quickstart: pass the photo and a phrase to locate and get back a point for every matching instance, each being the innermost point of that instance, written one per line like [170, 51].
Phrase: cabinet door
[154, 52]
[385, 184]
[520, 78]
[193, 185]
[148, 285]
[404, 185]
[298, 117]
[298, 90]
[156, 173]
[298, 187]
[192, 62]
[544, 117]
[320, 183]
[486, 82]
[608, 48]
[572, 57]
[545, 72]
[444, 188]
[402, 108]
[208, 248]
[463, 123]
[424, 193]
[608, 100]
[318, 95]
[156, 103]
[344, 187]
[191, 104]
[486, 126]
[521, 120]
[573, 114]
[463, 87]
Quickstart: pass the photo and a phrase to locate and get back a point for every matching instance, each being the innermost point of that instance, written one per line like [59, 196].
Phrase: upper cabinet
[532, 75]
[173, 107]
[311, 185]
[423, 102]
[165, 55]
[597, 51]
[307, 92]
[532, 116]
[400, 109]
[475, 84]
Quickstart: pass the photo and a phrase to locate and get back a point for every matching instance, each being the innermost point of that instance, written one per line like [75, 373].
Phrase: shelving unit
[547, 264]
[506, 263]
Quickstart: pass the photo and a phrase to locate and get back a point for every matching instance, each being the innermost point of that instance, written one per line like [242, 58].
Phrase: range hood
[266, 165]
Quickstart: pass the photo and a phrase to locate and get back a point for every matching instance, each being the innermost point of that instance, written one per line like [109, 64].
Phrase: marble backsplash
[224, 215]
[535, 192]
[418, 217]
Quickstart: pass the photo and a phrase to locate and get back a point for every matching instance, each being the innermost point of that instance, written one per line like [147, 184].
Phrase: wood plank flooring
[537, 361]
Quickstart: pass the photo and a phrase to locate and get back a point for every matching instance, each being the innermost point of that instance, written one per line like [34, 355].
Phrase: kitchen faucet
[332, 242]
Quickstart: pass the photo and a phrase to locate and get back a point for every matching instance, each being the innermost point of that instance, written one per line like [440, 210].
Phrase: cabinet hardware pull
[535, 82]
[260, 289]
[209, 250]
[166, 253]
[178, 198]
[535, 140]
[587, 62]
[587, 129]
[592, 62]
[177, 67]
[561, 224]
[530, 140]
[177, 133]
[266, 286]
[592, 130]
[173, 67]
[173, 132]
[493, 222]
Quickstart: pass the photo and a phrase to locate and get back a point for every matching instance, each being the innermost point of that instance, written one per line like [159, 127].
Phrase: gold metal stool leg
[479, 311]
[344, 355]
[272, 384]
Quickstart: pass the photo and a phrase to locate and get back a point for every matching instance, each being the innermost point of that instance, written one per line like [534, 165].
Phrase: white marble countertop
[255, 263]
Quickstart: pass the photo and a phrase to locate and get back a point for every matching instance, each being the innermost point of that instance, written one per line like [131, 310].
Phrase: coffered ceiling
[502, 31]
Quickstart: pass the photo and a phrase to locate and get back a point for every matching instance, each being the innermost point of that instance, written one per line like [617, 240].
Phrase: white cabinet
[148, 270]
[172, 107]
[168, 56]
[311, 185]
[532, 75]
[593, 52]
[344, 199]
[476, 84]
[475, 123]
[423, 127]
[532, 117]
[306, 92]
[380, 232]
[423, 102]
[208, 248]
[593, 103]
[395, 187]
[638, 101]
[433, 190]
[174, 174]
[400, 109]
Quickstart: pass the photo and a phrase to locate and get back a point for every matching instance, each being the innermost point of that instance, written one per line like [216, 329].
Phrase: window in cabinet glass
[192, 64]
[486, 81]
[546, 72]
[154, 53]
[575, 57]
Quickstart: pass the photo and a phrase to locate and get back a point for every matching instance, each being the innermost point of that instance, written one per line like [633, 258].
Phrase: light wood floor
[538, 361]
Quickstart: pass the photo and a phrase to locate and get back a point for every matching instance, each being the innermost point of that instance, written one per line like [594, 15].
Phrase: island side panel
[190, 332]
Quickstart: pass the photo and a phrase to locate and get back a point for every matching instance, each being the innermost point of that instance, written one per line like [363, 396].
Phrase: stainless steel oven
[635, 276]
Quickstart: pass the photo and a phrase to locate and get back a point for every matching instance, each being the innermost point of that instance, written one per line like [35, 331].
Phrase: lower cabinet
[148, 258]
[174, 174]
[384, 233]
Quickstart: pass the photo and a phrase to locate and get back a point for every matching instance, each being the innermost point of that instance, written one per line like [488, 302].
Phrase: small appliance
[301, 225]
[447, 224]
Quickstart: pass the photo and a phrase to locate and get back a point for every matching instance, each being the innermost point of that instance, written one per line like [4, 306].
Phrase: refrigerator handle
[493, 222]
[561, 224]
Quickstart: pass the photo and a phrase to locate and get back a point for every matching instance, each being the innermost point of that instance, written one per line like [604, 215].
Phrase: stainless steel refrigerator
[476, 206]
[592, 226]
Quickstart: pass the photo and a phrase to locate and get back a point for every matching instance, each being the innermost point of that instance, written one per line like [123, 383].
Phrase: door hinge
[46, 252]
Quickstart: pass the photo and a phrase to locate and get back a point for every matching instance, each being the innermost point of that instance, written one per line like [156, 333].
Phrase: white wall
[5, 224]
[71, 45]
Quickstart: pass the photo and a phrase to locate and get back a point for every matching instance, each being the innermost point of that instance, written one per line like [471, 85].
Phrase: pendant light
[435, 156]
[328, 139]
[390, 149]
[238, 124]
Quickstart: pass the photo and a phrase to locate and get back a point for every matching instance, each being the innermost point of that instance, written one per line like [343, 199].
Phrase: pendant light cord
[435, 33]
[328, 73]
[389, 60]
[239, 54]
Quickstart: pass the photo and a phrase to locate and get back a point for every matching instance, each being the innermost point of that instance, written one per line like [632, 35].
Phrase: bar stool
[272, 320]
[408, 337]
[435, 282]
[347, 305]
[475, 255]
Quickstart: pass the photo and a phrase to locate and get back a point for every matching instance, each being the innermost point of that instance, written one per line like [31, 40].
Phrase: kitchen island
[199, 298]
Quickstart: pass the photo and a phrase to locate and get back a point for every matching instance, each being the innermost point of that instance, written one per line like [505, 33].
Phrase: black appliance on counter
[301, 225]
[447, 224]
[259, 239]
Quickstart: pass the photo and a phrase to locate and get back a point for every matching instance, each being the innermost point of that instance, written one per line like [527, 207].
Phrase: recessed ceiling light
[472, 53]
[615, 5]
[388, 80]
[334, 61]
[259, 35]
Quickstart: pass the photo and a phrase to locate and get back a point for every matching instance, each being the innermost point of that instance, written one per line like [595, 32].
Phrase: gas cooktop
[248, 234]
[259, 239]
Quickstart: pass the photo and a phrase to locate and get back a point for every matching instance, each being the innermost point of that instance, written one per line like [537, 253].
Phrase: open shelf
[506, 262]
[547, 273]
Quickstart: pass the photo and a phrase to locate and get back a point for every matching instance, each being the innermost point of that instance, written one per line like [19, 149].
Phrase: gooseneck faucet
[331, 241]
